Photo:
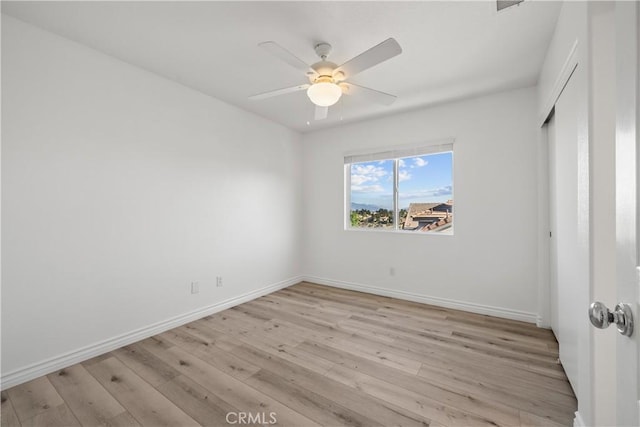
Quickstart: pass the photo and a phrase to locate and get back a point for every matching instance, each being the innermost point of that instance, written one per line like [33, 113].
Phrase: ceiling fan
[327, 81]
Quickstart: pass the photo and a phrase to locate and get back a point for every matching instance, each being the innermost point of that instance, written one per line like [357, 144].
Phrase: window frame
[398, 153]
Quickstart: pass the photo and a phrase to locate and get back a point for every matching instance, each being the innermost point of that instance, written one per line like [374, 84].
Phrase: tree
[354, 219]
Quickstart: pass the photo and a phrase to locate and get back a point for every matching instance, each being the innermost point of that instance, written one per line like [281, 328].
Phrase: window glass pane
[372, 194]
[425, 193]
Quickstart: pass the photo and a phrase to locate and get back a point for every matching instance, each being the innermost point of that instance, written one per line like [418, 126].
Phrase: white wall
[490, 264]
[119, 188]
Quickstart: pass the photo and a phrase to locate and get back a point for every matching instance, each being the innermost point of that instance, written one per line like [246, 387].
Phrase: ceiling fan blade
[372, 94]
[369, 58]
[321, 112]
[277, 92]
[278, 51]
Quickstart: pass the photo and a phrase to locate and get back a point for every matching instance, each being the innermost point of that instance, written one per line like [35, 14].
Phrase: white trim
[396, 153]
[578, 421]
[569, 65]
[441, 302]
[542, 323]
[45, 367]
[431, 146]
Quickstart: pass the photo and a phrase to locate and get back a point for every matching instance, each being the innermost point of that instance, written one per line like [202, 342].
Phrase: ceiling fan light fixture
[324, 93]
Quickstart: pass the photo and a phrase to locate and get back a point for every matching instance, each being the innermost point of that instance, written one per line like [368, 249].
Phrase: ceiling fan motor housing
[324, 69]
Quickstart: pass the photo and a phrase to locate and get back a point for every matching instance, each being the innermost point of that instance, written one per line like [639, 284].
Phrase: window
[409, 190]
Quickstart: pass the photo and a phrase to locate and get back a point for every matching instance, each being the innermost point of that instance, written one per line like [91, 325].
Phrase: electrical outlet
[195, 287]
[219, 281]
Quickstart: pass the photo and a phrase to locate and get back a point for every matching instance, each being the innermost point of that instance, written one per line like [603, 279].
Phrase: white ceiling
[451, 50]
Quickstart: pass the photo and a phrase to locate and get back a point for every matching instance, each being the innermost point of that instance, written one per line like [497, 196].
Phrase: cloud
[361, 173]
[402, 163]
[376, 188]
[359, 179]
[444, 191]
[404, 175]
[419, 162]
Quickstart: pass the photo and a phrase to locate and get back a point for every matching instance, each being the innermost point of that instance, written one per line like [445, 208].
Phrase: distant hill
[358, 206]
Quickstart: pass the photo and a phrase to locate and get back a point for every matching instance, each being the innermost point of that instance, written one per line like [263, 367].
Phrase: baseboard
[441, 302]
[578, 421]
[53, 364]
[542, 323]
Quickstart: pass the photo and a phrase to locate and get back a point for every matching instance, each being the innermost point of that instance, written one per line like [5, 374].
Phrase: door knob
[622, 316]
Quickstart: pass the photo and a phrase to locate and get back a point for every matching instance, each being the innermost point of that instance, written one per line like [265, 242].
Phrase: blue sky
[421, 179]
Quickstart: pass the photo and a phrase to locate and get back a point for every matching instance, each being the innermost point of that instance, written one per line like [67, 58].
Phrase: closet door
[565, 262]
[553, 250]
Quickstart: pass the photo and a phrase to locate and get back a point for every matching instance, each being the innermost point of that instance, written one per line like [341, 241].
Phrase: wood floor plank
[526, 343]
[300, 358]
[424, 340]
[530, 420]
[378, 355]
[34, 397]
[97, 359]
[202, 330]
[350, 299]
[511, 389]
[505, 352]
[536, 341]
[444, 364]
[299, 334]
[199, 403]
[88, 400]
[240, 315]
[384, 412]
[58, 416]
[416, 403]
[307, 322]
[230, 389]
[216, 357]
[146, 365]
[314, 306]
[516, 398]
[316, 312]
[442, 391]
[283, 349]
[8, 417]
[499, 324]
[373, 335]
[500, 342]
[314, 355]
[463, 358]
[490, 369]
[144, 402]
[124, 419]
[271, 333]
[222, 323]
[323, 410]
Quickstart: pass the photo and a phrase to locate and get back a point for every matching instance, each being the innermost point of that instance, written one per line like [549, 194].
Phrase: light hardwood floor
[314, 355]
